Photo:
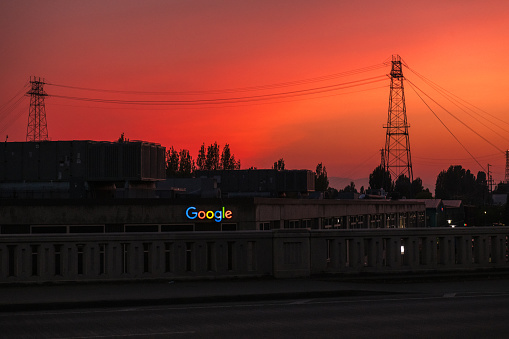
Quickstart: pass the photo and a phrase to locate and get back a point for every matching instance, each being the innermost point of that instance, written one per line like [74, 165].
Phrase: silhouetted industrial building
[46, 216]
[43, 184]
[262, 182]
[80, 168]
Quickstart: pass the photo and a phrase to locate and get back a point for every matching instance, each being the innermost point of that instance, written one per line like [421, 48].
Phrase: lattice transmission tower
[37, 129]
[398, 160]
[507, 167]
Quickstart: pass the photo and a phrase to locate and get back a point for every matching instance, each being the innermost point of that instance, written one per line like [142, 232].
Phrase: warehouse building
[33, 216]
[80, 169]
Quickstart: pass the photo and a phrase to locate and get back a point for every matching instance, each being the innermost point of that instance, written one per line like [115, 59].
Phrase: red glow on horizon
[201, 46]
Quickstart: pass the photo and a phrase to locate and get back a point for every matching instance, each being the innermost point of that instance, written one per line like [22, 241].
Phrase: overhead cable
[228, 100]
[459, 120]
[458, 99]
[447, 128]
[233, 90]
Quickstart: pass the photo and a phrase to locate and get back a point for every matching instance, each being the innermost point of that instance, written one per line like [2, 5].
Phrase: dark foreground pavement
[82, 295]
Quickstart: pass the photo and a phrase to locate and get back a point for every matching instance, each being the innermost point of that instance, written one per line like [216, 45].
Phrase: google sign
[192, 213]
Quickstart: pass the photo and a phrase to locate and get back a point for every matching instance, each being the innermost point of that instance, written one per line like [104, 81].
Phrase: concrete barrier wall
[279, 253]
[409, 250]
[203, 255]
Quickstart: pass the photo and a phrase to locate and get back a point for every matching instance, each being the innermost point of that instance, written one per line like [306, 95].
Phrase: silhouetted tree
[481, 187]
[172, 162]
[321, 180]
[186, 165]
[279, 165]
[350, 188]
[424, 194]
[380, 178]
[418, 191]
[331, 193]
[179, 164]
[461, 184]
[212, 158]
[403, 186]
[416, 186]
[228, 161]
[411, 190]
[200, 160]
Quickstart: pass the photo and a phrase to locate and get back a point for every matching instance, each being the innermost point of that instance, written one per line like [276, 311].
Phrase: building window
[228, 227]
[306, 223]
[391, 220]
[353, 222]
[421, 219]
[327, 223]
[360, 221]
[402, 220]
[142, 228]
[293, 224]
[177, 228]
[412, 219]
[264, 226]
[338, 222]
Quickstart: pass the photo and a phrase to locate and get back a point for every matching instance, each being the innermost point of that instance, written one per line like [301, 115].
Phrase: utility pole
[37, 129]
[490, 180]
[397, 143]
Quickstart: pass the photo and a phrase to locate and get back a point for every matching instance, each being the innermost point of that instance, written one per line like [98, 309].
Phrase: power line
[458, 99]
[228, 100]
[233, 90]
[459, 120]
[8, 123]
[355, 170]
[458, 159]
[21, 93]
[436, 116]
[5, 113]
[443, 92]
[227, 105]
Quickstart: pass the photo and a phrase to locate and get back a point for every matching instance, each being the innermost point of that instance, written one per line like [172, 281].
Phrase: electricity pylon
[507, 167]
[37, 129]
[398, 160]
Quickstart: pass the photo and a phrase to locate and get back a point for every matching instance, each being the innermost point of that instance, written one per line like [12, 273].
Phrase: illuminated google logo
[192, 213]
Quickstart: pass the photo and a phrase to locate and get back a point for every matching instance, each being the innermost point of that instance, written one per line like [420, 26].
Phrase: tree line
[321, 179]
[181, 163]
[455, 183]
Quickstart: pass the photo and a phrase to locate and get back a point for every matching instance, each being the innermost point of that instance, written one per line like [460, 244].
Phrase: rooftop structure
[77, 168]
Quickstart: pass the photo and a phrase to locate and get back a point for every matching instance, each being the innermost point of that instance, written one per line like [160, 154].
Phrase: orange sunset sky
[194, 50]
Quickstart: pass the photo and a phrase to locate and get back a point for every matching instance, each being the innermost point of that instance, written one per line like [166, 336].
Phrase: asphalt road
[453, 315]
